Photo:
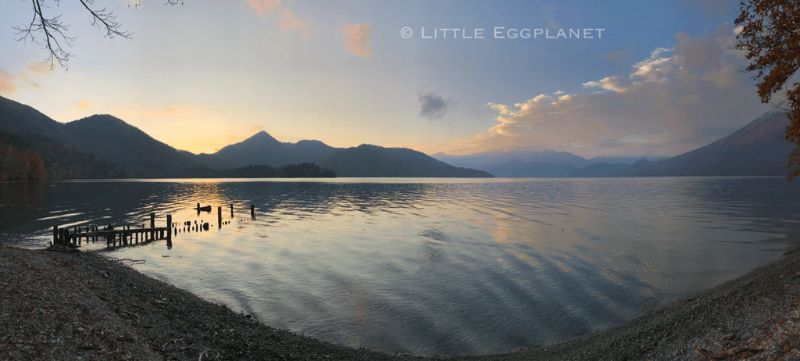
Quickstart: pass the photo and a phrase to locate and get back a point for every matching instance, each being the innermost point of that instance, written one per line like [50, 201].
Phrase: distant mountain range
[103, 146]
[758, 148]
[362, 161]
[546, 163]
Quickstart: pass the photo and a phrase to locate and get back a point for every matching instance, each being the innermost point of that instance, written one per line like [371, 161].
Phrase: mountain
[757, 149]
[20, 119]
[623, 160]
[262, 148]
[546, 163]
[27, 133]
[131, 149]
[362, 161]
[103, 146]
[374, 161]
[484, 160]
[535, 169]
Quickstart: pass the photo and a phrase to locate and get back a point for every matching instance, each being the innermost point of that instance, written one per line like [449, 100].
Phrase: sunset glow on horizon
[202, 75]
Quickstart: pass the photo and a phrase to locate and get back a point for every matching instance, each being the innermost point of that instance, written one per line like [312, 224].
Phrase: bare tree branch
[53, 34]
[106, 19]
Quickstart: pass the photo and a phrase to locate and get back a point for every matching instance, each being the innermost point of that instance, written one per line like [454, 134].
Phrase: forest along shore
[71, 305]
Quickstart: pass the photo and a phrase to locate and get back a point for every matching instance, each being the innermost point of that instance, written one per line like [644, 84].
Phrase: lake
[433, 266]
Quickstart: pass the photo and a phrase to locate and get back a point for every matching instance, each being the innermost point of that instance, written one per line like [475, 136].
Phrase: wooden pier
[119, 235]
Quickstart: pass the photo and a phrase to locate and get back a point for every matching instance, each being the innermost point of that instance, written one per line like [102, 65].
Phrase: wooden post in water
[219, 217]
[231, 210]
[252, 211]
[152, 226]
[169, 230]
[55, 235]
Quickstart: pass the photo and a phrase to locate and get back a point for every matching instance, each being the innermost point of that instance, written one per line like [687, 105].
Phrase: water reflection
[436, 267]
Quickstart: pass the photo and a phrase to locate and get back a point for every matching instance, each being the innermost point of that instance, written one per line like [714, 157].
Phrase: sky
[655, 78]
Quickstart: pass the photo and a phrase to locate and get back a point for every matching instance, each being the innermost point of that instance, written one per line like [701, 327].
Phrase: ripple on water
[436, 267]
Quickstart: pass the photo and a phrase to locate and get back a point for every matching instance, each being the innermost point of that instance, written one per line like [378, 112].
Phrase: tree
[37, 169]
[18, 166]
[52, 33]
[770, 37]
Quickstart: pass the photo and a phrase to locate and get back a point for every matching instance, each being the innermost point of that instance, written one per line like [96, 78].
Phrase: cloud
[356, 39]
[84, 105]
[39, 68]
[608, 83]
[433, 106]
[286, 18]
[263, 7]
[675, 99]
[7, 85]
[290, 21]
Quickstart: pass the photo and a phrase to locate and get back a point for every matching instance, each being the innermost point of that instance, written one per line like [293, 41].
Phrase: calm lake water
[434, 267]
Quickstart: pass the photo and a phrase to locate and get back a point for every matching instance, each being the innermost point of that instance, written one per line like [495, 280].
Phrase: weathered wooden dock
[114, 235]
[121, 235]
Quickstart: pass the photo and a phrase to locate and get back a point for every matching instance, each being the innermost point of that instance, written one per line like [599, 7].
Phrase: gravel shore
[77, 305]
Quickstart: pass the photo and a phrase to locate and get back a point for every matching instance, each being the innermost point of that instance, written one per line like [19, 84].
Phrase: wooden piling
[55, 234]
[231, 210]
[169, 230]
[219, 217]
[152, 226]
[252, 211]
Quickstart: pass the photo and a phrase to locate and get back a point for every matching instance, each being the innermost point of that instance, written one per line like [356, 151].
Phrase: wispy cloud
[608, 83]
[675, 99]
[39, 68]
[9, 82]
[263, 7]
[433, 106]
[7, 85]
[356, 39]
[290, 21]
[84, 105]
[286, 18]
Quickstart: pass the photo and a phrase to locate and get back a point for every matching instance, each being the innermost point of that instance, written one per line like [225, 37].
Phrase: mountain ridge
[756, 149]
[103, 145]
[124, 150]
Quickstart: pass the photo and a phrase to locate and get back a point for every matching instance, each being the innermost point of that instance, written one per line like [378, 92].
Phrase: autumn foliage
[20, 165]
[770, 37]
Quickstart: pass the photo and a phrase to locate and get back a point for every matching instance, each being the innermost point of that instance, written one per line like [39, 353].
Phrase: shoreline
[70, 305]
